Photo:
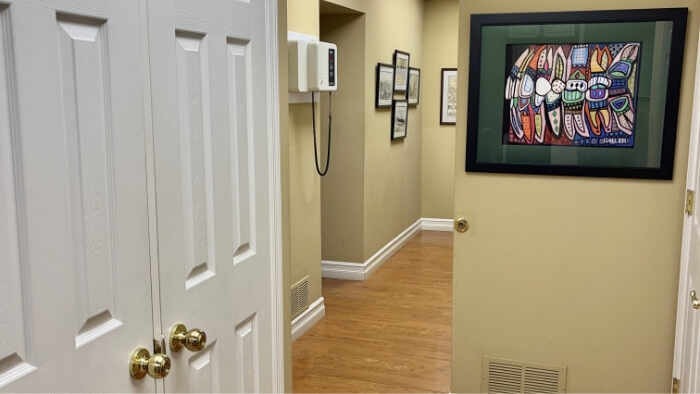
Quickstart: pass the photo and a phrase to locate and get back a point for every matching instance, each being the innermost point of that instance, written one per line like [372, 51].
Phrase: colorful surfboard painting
[572, 94]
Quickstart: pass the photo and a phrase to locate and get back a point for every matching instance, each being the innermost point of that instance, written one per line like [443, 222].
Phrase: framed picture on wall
[413, 86]
[448, 96]
[575, 93]
[384, 92]
[399, 119]
[402, 61]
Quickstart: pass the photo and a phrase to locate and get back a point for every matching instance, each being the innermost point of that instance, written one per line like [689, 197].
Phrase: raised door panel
[13, 349]
[74, 185]
[89, 146]
[240, 91]
[194, 110]
[209, 81]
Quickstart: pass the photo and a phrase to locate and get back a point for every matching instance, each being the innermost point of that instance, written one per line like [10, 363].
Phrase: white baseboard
[342, 270]
[360, 271]
[307, 319]
[432, 224]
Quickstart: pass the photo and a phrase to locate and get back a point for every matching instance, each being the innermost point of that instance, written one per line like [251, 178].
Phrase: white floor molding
[432, 224]
[307, 319]
[360, 271]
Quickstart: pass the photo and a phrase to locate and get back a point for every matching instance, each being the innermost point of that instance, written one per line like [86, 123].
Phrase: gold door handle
[461, 225]
[142, 363]
[194, 340]
[694, 298]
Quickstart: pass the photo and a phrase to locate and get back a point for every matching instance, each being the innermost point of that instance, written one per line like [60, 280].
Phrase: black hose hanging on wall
[313, 122]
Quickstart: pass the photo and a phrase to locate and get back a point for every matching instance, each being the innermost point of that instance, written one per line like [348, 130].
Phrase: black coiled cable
[313, 122]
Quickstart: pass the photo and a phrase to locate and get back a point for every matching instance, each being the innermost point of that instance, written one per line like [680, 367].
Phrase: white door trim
[683, 291]
[273, 129]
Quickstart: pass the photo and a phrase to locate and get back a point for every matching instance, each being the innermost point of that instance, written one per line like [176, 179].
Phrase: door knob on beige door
[461, 225]
[194, 340]
[694, 298]
[142, 363]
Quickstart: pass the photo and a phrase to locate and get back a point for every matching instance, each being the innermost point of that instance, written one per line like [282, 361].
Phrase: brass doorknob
[461, 225]
[194, 340]
[142, 363]
[694, 298]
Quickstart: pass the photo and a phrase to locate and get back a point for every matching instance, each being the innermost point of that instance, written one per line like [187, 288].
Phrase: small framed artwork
[402, 62]
[399, 119]
[448, 96]
[384, 94]
[413, 86]
[587, 93]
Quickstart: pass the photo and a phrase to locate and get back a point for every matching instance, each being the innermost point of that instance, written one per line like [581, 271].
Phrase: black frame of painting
[442, 95]
[393, 114]
[405, 91]
[408, 86]
[376, 86]
[678, 16]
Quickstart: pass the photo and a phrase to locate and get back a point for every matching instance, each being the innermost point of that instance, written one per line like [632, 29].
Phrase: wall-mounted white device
[313, 66]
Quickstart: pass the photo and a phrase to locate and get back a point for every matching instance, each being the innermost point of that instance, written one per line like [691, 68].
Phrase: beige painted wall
[441, 23]
[531, 283]
[304, 183]
[342, 189]
[392, 169]
[390, 172]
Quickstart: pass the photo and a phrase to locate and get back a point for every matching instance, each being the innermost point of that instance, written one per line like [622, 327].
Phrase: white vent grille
[507, 376]
[300, 296]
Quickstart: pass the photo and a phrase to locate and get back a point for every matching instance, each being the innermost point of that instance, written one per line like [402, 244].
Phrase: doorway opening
[386, 328]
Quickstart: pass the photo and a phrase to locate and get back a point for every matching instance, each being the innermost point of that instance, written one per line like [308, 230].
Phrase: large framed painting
[576, 93]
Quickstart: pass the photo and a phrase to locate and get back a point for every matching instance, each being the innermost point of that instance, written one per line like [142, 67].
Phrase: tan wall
[441, 23]
[342, 189]
[531, 282]
[304, 183]
[392, 169]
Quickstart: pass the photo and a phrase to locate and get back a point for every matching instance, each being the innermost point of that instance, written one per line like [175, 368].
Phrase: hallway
[390, 333]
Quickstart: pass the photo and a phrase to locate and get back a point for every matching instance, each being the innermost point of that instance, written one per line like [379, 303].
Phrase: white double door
[134, 192]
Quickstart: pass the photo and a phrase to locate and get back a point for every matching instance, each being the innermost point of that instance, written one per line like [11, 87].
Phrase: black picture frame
[678, 16]
[377, 102]
[401, 88]
[395, 108]
[410, 86]
[443, 98]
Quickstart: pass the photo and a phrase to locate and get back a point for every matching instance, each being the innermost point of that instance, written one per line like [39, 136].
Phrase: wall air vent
[508, 376]
[300, 297]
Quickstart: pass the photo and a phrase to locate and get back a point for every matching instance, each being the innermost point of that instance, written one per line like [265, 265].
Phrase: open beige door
[686, 360]
[211, 88]
[75, 287]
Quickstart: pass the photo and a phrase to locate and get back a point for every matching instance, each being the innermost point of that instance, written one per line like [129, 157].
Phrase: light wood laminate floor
[389, 333]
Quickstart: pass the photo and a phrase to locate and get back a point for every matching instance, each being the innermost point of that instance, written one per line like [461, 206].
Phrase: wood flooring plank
[389, 333]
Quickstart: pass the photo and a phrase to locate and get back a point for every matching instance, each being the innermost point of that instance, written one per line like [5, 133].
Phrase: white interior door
[209, 81]
[75, 294]
[686, 363]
